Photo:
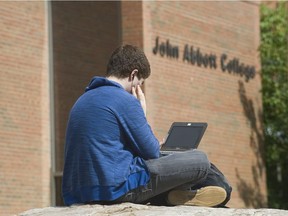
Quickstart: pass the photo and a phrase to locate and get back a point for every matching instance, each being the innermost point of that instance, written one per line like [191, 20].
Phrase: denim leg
[216, 178]
[169, 172]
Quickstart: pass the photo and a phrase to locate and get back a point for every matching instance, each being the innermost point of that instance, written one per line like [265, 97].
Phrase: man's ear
[133, 74]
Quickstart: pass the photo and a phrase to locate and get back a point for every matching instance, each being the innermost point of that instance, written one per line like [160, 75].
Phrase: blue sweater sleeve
[139, 135]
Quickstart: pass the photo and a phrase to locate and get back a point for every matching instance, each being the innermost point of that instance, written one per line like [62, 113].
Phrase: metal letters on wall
[195, 57]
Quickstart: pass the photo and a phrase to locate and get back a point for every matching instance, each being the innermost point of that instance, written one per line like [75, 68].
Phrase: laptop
[183, 136]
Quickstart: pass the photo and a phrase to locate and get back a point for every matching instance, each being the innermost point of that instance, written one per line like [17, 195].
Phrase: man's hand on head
[138, 93]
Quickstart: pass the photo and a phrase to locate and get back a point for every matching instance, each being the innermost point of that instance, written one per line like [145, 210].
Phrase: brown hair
[125, 59]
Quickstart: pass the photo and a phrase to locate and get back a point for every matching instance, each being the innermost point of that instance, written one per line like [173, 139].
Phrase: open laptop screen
[184, 136]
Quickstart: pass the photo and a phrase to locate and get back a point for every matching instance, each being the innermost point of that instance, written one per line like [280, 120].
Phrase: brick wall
[84, 36]
[24, 107]
[132, 23]
[181, 91]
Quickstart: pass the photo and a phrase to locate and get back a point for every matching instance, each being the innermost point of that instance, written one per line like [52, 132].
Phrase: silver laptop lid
[183, 136]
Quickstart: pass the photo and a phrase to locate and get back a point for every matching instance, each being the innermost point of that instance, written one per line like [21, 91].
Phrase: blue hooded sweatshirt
[107, 141]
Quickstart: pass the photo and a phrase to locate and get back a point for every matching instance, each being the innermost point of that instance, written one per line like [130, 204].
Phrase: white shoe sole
[207, 196]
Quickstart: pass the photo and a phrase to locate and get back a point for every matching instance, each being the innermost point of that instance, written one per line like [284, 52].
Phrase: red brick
[84, 35]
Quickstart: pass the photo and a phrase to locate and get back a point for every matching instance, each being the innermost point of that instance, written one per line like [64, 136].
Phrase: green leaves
[274, 63]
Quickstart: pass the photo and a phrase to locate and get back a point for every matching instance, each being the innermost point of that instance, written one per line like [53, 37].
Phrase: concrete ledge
[129, 209]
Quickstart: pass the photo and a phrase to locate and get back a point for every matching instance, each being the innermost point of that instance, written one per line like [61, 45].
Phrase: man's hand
[138, 93]
[161, 143]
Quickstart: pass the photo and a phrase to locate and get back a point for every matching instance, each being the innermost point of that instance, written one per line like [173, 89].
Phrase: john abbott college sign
[195, 57]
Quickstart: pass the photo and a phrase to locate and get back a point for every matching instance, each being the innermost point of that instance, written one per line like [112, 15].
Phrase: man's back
[102, 144]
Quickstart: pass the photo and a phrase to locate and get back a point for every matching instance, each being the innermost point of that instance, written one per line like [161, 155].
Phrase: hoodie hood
[97, 82]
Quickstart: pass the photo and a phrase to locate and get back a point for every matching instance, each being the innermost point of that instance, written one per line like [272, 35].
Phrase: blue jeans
[190, 169]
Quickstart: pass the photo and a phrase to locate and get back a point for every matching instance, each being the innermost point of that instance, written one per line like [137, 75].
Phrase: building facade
[205, 68]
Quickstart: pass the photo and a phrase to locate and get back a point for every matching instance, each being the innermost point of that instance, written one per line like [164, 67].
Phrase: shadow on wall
[251, 192]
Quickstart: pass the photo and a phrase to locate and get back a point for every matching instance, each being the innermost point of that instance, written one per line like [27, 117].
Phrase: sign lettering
[195, 56]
